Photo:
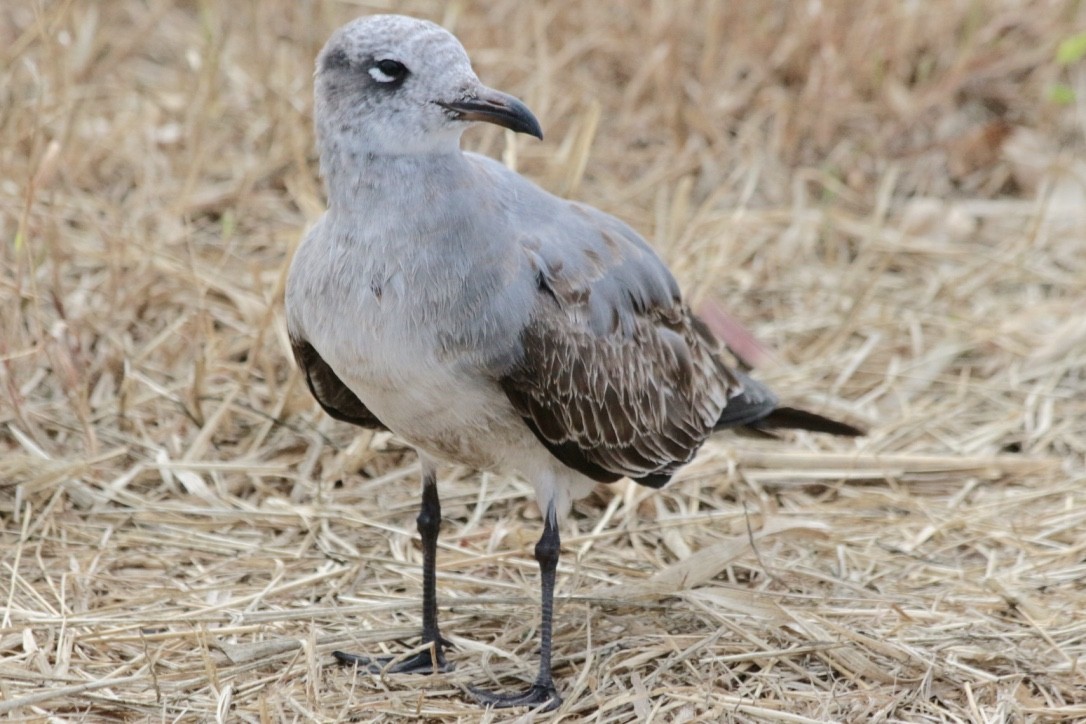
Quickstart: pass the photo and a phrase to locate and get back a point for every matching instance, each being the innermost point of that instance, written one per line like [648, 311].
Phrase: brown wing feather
[334, 396]
[617, 405]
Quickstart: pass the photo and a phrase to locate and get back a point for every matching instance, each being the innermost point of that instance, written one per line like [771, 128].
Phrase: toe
[535, 695]
[421, 662]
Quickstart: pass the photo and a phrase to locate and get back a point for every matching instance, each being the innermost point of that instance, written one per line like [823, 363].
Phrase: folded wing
[617, 378]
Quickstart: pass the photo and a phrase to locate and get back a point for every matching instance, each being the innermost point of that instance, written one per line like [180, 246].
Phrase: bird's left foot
[421, 662]
[534, 696]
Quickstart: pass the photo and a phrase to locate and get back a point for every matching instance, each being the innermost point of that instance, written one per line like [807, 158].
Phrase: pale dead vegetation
[891, 195]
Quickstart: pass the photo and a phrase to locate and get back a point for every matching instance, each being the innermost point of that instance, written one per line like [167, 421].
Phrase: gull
[484, 321]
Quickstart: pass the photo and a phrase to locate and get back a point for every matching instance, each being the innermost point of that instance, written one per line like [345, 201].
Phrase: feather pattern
[616, 377]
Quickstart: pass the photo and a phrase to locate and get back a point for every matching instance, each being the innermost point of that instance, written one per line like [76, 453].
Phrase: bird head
[390, 84]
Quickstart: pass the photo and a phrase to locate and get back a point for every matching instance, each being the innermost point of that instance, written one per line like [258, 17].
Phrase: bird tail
[756, 409]
[791, 418]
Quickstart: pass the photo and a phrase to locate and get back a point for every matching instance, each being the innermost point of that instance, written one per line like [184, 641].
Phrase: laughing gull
[484, 321]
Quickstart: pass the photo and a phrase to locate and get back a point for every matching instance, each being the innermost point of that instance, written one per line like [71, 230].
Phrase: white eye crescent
[380, 76]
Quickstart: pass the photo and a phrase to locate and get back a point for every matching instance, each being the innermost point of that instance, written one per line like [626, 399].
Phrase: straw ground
[890, 195]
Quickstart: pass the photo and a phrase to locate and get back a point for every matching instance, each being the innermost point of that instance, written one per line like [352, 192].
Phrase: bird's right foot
[430, 660]
[537, 694]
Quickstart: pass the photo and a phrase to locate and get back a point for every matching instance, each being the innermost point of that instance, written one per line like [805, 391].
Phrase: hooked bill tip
[502, 109]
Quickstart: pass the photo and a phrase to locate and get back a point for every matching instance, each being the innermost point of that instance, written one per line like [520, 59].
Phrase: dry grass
[892, 195]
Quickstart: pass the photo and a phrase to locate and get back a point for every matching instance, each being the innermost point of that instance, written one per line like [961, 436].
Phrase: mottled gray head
[389, 84]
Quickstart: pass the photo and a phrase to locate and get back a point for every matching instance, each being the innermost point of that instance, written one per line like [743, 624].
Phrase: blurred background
[889, 197]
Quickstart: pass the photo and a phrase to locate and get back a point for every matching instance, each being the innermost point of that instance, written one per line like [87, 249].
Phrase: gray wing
[334, 396]
[617, 378]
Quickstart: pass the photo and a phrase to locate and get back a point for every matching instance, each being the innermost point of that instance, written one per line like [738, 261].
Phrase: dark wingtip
[791, 418]
[654, 480]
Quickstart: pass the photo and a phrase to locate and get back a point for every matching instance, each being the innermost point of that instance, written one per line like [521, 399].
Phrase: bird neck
[357, 178]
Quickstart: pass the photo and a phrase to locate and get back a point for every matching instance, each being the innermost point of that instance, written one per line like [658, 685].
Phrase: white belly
[444, 414]
[433, 399]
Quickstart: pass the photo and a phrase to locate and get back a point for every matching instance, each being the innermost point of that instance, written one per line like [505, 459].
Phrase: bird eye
[388, 71]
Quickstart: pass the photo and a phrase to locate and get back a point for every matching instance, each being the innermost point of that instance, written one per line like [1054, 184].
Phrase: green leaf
[1072, 49]
[1061, 94]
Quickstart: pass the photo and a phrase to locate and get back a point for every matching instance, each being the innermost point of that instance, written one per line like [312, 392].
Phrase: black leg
[429, 524]
[433, 659]
[542, 691]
